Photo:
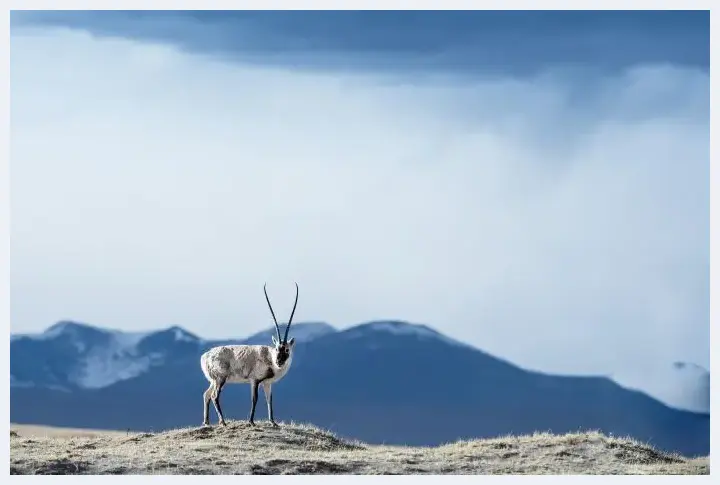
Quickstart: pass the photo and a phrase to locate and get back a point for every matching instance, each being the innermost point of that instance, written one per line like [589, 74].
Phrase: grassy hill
[302, 449]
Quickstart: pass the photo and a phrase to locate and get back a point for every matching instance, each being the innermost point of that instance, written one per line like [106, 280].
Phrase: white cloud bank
[557, 223]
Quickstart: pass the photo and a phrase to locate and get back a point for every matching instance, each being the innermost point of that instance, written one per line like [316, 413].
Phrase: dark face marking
[283, 354]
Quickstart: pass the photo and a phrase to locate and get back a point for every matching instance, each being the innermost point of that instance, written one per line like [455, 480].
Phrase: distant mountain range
[381, 382]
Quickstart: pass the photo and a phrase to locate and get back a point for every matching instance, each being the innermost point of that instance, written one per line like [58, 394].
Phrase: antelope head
[283, 346]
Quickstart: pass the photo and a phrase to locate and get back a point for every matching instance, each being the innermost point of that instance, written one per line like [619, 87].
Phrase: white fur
[243, 364]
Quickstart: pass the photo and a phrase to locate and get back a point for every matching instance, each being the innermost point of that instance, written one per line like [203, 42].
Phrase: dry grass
[302, 449]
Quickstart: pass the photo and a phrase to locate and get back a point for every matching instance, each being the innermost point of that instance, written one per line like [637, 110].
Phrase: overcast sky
[542, 197]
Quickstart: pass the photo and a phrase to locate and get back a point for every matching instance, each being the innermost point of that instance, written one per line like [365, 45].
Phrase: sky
[535, 184]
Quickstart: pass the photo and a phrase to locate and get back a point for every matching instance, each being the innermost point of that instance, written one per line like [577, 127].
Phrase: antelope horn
[287, 329]
[277, 328]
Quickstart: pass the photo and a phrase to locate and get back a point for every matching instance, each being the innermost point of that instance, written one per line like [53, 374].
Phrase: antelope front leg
[253, 396]
[268, 398]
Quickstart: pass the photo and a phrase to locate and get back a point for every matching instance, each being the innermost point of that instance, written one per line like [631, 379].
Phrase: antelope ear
[274, 341]
[291, 342]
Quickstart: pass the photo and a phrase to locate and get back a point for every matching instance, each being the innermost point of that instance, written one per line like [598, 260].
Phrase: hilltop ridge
[302, 449]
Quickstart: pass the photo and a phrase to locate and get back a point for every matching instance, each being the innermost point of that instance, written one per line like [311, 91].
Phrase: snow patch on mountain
[128, 340]
[183, 336]
[116, 361]
[100, 370]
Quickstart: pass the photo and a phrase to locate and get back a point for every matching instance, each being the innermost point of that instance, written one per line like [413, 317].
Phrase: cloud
[501, 41]
[559, 221]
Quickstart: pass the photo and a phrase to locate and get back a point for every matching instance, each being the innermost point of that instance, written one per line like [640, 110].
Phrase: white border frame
[355, 5]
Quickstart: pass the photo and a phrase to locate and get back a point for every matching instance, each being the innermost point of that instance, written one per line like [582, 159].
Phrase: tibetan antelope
[253, 364]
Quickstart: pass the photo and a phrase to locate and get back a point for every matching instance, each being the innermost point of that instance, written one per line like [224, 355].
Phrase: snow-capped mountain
[396, 327]
[70, 354]
[385, 381]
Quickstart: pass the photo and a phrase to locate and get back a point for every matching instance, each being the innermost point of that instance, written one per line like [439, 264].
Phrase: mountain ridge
[302, 332]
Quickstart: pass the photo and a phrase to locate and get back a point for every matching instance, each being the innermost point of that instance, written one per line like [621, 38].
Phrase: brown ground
[301, 449]
[52, 431]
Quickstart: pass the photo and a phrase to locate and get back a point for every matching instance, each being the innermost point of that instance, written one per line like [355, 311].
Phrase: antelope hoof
[251, 422]
[223, 423]
[205, 424]
[274, 424]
